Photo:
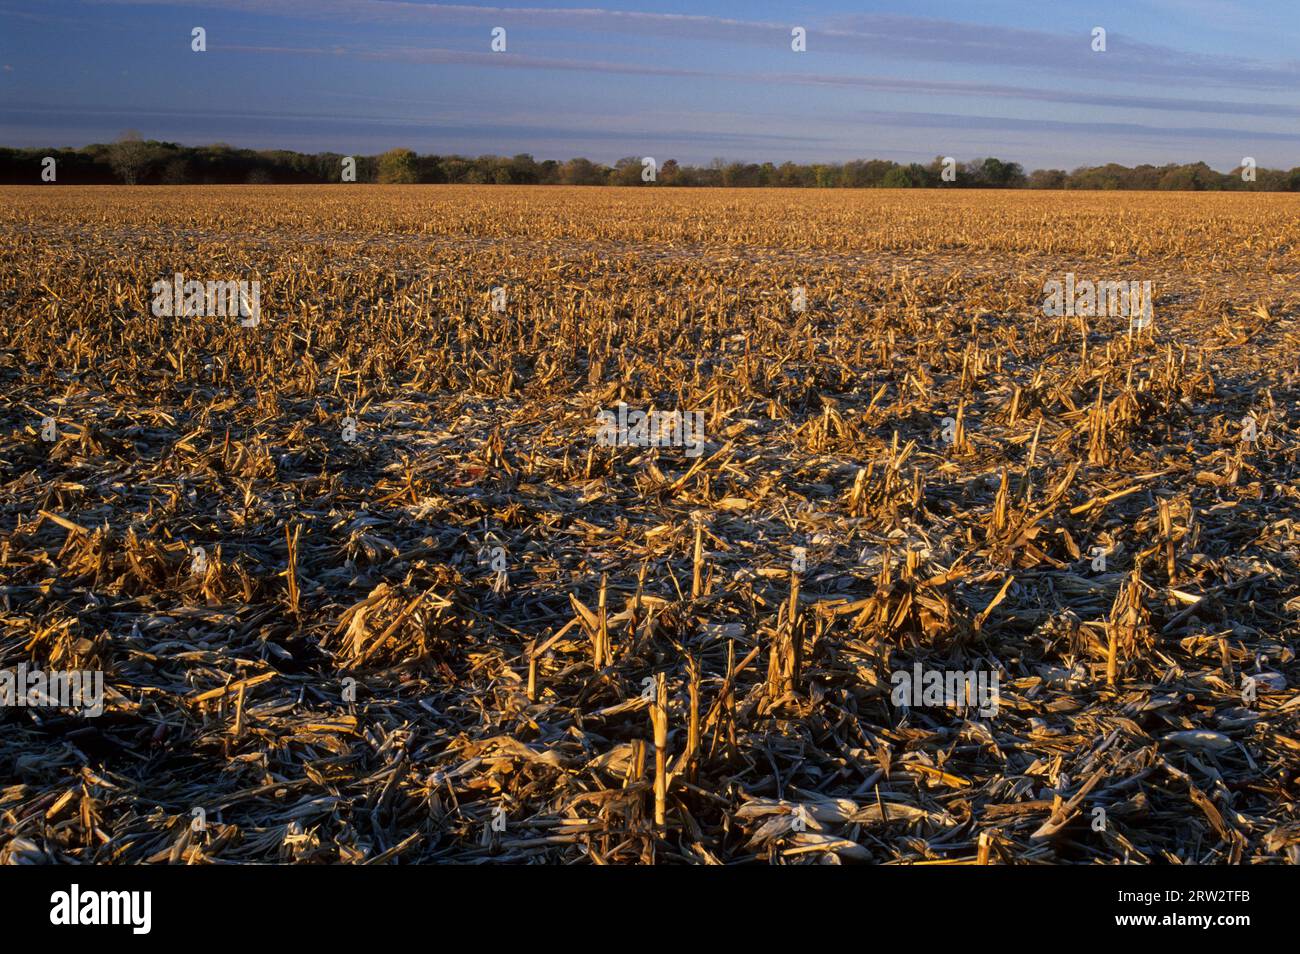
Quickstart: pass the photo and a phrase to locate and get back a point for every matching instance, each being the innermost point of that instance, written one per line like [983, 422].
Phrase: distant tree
[897, 178]
[1047, 179]
[1267, 180]
[864, 174]
[995, 171]
[134, 160]
[710, 175]
[398, 166]
[524, 169]
[129, 156]
[176, 172]
[548, 172]
[429, 169]
[921, 177]
[789, 175]
[1002, 175]
[580, 172]
[627, 172]
[1191, 178]
[687, 176]
[494, 170]
[1096, 177]
[456, 169]
[825, 176]
[741, 175]
[934, 173]
[1140, 177]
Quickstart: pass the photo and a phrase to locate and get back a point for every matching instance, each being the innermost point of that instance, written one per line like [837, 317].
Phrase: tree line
[137, 161]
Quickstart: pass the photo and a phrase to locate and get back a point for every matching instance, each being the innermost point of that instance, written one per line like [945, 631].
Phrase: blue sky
[1180, 80]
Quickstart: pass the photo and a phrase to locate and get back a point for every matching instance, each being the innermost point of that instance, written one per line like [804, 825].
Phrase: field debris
[365, 586]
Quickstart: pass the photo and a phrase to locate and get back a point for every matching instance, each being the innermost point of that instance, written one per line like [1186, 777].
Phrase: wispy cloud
[1126, 59]
[879, 84]
[472, 58]
[951, 121]
[657, 127]
[885, 36]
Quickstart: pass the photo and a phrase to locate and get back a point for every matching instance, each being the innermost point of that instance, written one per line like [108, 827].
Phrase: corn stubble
[346, 680]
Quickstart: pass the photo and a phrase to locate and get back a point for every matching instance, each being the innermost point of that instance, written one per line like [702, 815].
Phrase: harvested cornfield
[629, 525]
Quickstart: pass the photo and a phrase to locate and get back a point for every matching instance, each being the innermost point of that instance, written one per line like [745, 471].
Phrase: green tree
[523, 169]
[627, 172]
[897, 178]
[580, 172]
[397, 166]
[825, 177]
